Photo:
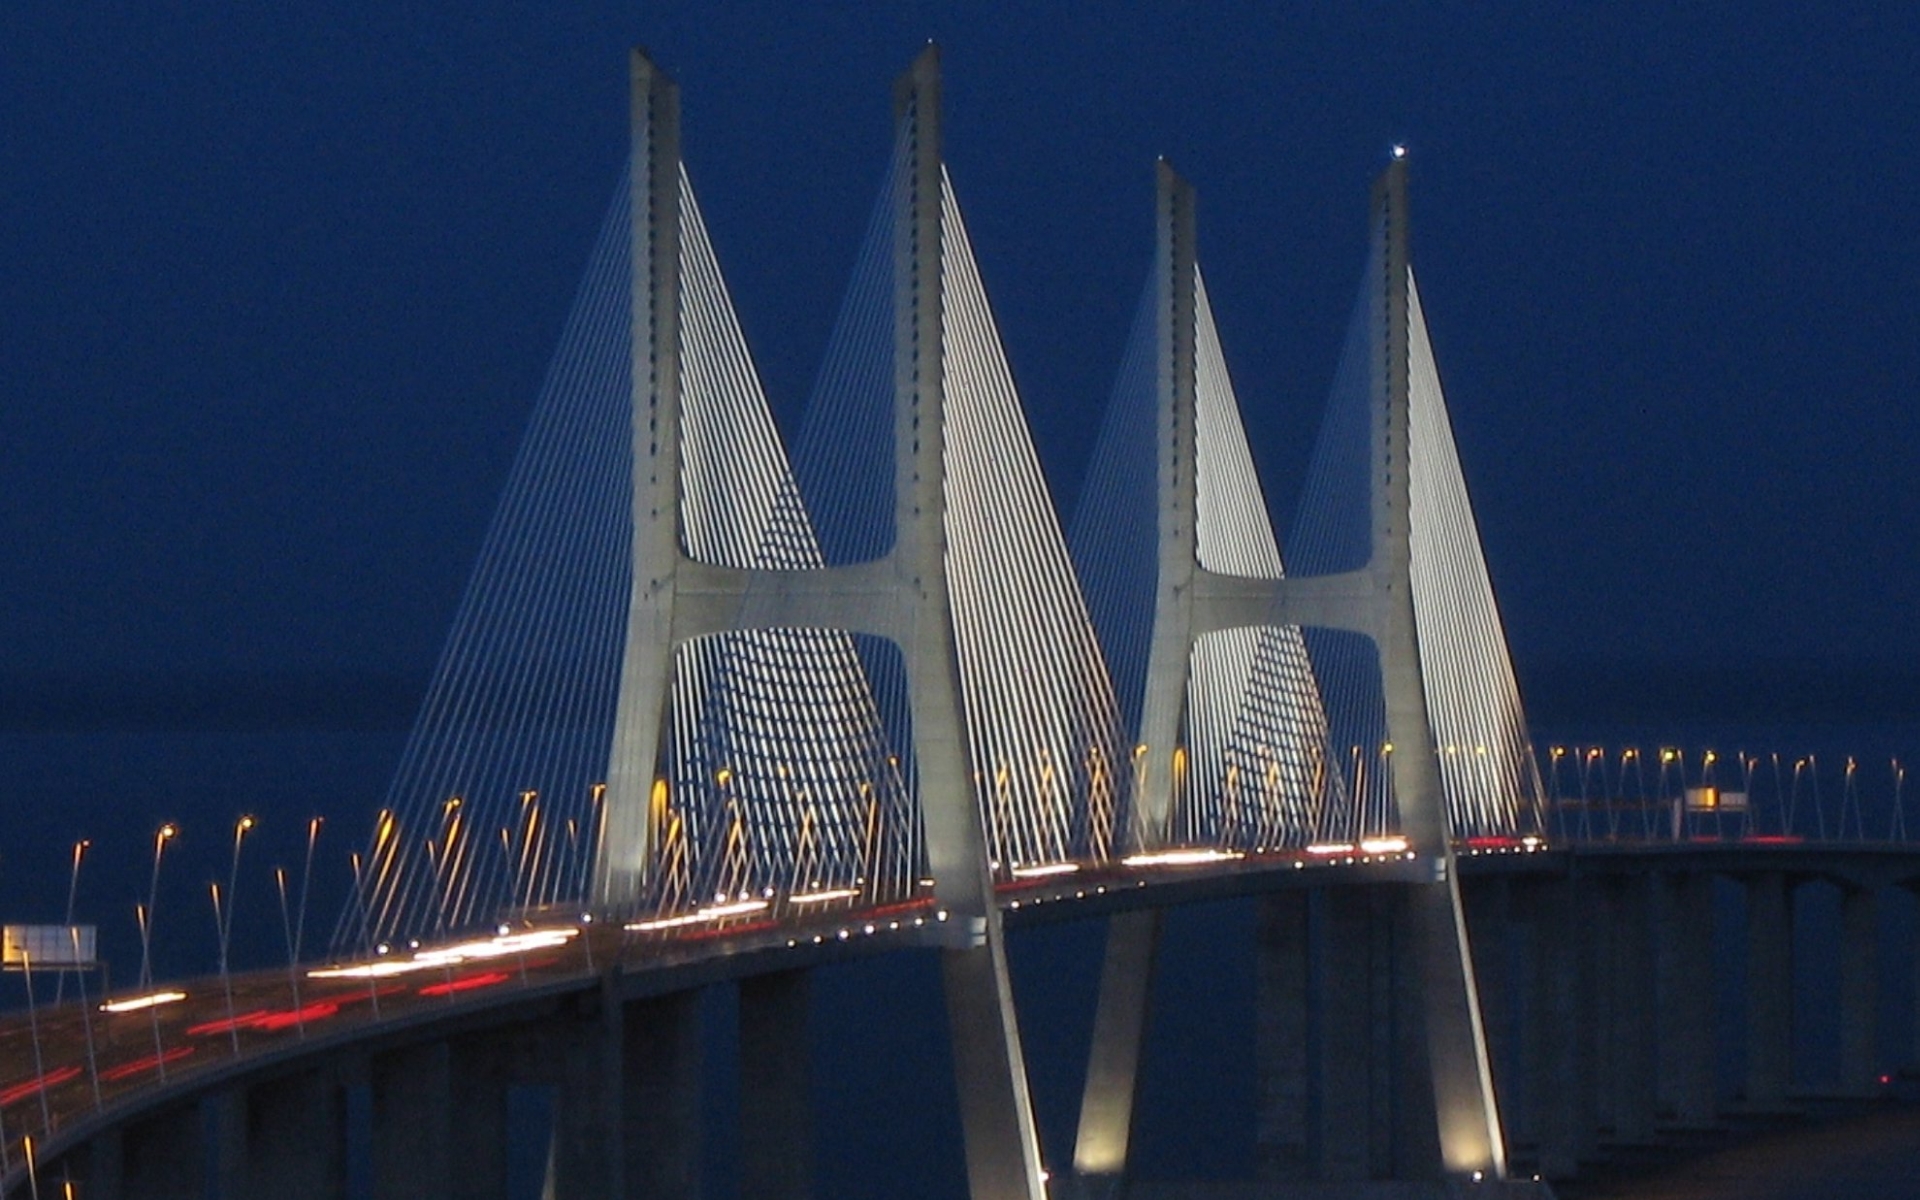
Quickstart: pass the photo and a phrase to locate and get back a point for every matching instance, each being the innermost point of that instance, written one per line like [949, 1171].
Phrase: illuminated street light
[73, 891]
[226, 980]
[161, 837]
[240, 830]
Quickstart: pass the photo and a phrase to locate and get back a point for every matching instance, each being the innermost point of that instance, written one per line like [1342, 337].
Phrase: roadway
[68, 1072]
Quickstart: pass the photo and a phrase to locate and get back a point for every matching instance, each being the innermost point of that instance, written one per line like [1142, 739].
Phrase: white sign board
[53, 947]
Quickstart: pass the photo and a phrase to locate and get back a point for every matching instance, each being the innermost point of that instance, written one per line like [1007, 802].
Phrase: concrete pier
[776, 1104]
[1859, 988]
[162, 1157]
[661, 1057]
[1283, 1134]
[1769, 1039]
[413, 1123]
[1560, 1041]
[1684, 962]
[1601, 990]
[1627, 971]
[295, 1140]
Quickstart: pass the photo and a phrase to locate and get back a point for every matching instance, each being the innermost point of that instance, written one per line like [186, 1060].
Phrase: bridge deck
[64, 1079]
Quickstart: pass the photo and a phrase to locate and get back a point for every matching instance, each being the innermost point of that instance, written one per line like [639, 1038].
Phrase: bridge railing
[66, 1062]
[1598, 794]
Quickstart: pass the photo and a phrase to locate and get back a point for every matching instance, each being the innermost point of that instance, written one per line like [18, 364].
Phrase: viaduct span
[734, 713]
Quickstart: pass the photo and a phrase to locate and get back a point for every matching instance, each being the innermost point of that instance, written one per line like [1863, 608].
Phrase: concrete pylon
[1105, 1132]
[628, 834]
[1375, 600]
[1769, 991]
[904, 597]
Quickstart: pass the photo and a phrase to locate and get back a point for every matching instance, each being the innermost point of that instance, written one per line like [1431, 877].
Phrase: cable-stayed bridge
[715, 708]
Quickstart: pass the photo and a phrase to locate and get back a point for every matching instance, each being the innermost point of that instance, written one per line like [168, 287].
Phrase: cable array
[1036, 700]
[1486, 759]
[1258, 771]
[1255, 772]
[788, 772]
[1115, 530]
[780, 778]
[492, 806]
[1041, 722]
[1333, 533]
[1488, 773]
[783, 780]
[844, 456]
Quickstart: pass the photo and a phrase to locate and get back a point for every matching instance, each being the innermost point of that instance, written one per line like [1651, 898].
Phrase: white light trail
[1045, 870]
[138, 1003]
[1180, 858]
[823, 896]
[717, 912]
[434, 958]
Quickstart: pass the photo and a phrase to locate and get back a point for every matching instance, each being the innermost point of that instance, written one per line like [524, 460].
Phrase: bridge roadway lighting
[73, 877]
[597, 817]
[138, 1003]
[161, 837]
[1819, 811]
[293, 962]
[1897, 830]
[226, 979]
[241, 828]
[444, 867]
[73, 889]
[306, 878]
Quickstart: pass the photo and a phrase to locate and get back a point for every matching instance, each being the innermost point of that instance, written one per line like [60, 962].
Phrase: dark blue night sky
[280, 285]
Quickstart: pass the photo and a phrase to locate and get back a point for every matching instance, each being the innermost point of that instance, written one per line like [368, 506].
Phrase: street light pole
[161, 837]
[306, 878]
[240, 829]
[145, 917]
[73, 891]
[226, 979]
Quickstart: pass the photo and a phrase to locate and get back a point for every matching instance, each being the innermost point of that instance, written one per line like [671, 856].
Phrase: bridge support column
[996, 1112]
[412, 1124]
[1684, 961]
[295, 1139]
[661, 1053]
[1630, 1029]
[439, 1121]
[224, 1121]
[1282, 1139]
[1113, 1060]
[478, 1076]
[1489, 908]
[1346, 1134]
[1769, 990]
[776, 1135]
[162, 1157]
[590, 1113]
[104, 1171]
[1560, 1036]
[1376, 1118]
[1446, 1122]
[1859, 991]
